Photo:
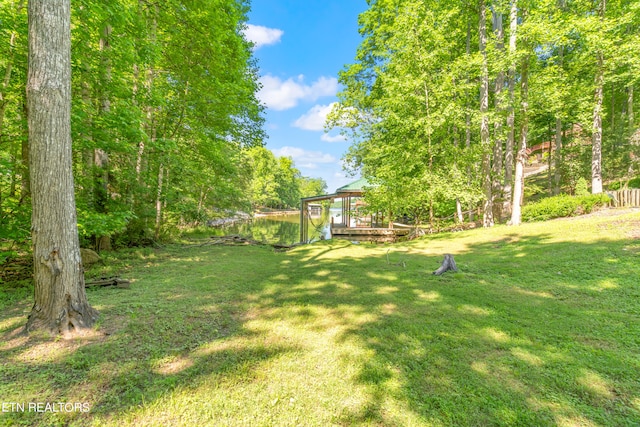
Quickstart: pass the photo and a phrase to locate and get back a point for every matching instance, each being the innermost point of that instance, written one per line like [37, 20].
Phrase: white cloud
[314, 119]
[262, 36]
[282, 95]
[309, 166]
[330, 138]
[304, 158]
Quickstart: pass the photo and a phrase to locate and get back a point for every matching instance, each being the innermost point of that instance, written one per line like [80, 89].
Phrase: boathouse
[353, 223]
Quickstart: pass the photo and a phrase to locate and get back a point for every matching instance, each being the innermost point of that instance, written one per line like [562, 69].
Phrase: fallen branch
[236, 240]
[448, 264]
[108, 281]
[401, 263]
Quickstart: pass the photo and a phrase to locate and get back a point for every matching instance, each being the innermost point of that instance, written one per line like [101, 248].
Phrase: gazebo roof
[354, 189]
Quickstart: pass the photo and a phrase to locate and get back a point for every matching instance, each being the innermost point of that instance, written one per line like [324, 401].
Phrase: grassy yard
[541, 327]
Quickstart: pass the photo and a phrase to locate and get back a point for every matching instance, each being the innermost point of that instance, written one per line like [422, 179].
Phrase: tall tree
[497, 192]
[61, 304]
[487, 216]
[511, 112]
[596, 158]
[518, 187]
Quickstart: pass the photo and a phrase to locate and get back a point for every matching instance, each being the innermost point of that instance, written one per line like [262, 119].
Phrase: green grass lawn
[541, 327]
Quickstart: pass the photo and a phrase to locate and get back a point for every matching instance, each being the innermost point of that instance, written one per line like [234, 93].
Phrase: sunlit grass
[539, 327]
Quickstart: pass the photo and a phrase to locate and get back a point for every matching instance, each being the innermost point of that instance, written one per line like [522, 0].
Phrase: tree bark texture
[631, 124]
[518, 188]
[596, 150]
[557, 157]
[511, 77]
[448, 264]
[497, 170]
[61, 305]
[487, 219]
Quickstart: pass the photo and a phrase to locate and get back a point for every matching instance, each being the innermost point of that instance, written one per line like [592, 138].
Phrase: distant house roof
[355, 186]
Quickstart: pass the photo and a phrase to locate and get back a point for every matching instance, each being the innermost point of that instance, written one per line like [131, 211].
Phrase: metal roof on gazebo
[355, 186]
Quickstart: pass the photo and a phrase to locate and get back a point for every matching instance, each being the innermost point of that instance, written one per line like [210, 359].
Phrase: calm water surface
[283, 229]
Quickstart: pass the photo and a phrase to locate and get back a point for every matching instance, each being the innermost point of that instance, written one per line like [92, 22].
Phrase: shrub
[563, 206]
[632, 183]
[582, 189]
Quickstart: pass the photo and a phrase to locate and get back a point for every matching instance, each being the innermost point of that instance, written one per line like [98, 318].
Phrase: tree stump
[448, 264]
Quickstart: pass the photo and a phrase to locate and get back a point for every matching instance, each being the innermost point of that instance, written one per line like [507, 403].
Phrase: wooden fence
[625, 198]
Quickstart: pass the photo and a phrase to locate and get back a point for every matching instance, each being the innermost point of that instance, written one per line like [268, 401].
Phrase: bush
[563, 206]
[582, 189]
[632, 183]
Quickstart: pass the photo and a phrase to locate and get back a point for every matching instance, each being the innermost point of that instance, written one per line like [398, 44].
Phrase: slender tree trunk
[456, 144]
[21, 167]
[467, 130]
[558, 138]
[596, 151]
[497, 191]
[7, 72]
[17, 166]
[630, 118]
[5, 84]
[518, 188]
[101, 157]
[613, 114]
[549, 159]
[487, 218]
[25, 187]
[159, 201]
[140, 152]
[511, 76]
[557, 157]
[61, 304]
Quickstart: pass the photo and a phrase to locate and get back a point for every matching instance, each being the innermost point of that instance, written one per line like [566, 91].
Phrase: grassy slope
[540, 327]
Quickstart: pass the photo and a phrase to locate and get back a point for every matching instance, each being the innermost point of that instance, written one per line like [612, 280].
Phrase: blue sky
[301, 45]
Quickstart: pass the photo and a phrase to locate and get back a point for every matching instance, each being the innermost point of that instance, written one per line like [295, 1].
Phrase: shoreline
[276, 213]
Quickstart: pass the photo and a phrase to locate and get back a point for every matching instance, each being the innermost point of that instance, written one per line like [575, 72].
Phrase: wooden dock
[369, 234]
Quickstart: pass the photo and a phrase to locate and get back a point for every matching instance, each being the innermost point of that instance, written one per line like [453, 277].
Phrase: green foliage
[582, 188]
[164, 100]
[15, 221]
[98, 224]
[312, 186]
[410, 99]
[632, 183]
[276, 183]
[563, 206]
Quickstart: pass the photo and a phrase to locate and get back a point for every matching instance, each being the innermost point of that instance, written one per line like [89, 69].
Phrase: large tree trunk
[487, 217]
[61, 305]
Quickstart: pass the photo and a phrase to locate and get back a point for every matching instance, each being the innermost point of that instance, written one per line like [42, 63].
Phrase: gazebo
[353, 225]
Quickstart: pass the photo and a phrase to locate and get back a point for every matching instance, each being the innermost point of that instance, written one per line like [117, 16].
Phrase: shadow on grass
[170, 331]
[531, 332]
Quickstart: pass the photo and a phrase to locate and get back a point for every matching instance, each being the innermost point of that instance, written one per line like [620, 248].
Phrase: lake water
[281, 229]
